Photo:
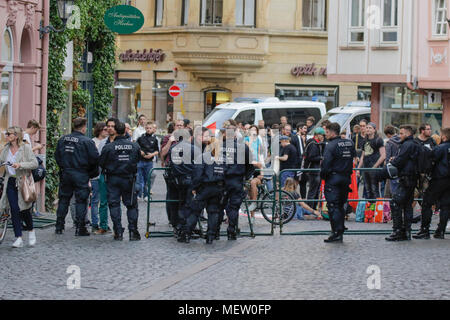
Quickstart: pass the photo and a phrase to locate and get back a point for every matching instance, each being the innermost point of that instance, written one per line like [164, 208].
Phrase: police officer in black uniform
[181, 164]
[438, 190]
[119, 161]
[208, 188]
[336, 170]
[237, 158]
[406, 164]
[77, 158]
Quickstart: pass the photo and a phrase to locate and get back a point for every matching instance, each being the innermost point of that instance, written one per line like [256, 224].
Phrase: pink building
[402, 48]
[23, 64]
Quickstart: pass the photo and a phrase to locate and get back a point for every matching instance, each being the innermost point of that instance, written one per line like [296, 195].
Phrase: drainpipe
[44, 88]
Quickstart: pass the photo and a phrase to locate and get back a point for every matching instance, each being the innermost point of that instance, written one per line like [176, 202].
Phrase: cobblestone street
[267, 267]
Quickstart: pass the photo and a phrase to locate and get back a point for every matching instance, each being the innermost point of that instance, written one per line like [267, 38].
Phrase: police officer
[181, 164]
[237, 158]
[77, 158]
[336, 170]
[406, 164]
[438, 190]
[208, 188]
[119, 161]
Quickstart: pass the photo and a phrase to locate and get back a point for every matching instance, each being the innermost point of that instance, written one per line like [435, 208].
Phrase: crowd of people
[207, 170]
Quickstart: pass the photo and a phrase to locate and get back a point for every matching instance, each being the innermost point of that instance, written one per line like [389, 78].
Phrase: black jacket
[313, 154]
[76, 151]
[237, 158]
[296, 143]
[406, 160]
[120, 158]
[148, 144]
[207, 170]
[441, 157]
[181, 158]
[338, 158]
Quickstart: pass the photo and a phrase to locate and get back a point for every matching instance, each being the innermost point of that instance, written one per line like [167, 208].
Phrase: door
[215, 97]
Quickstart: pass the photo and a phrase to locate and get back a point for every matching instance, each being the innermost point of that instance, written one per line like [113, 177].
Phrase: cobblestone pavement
[267, 267]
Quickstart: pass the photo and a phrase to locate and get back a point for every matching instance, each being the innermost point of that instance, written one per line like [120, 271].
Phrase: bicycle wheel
[3, 226]
[288, 208]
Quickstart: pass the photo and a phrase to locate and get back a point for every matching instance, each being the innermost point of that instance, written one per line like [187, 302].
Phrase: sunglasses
[9, 133]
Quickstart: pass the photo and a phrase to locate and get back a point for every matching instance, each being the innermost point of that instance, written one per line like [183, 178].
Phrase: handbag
[27, 187]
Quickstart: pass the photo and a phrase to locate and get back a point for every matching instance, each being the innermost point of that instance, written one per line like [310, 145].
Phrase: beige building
[219, 50]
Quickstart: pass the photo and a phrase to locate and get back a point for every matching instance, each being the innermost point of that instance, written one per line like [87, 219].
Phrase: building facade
[399, 46]
[219, 50]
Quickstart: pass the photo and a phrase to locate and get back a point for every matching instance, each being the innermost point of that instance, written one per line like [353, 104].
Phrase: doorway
[215, 97]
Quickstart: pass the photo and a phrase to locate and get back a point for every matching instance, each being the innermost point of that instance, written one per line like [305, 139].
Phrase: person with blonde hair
[303, 210]
[20, 160]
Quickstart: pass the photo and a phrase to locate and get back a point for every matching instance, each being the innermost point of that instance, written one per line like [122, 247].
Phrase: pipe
[44, 88]
[418, 90]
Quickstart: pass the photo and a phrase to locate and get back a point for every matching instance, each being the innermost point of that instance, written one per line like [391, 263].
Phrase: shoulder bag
[27, 186]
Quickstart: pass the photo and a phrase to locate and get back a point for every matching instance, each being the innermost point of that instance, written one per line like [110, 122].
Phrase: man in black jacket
[119, 161]
[313, 156]
[77, 158]
[406, 164]
[149, 150]
[438, 190]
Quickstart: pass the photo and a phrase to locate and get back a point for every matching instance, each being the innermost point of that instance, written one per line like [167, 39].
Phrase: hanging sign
[124, 19]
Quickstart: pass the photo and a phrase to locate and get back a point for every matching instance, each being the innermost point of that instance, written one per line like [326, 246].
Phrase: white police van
[249, 110]
[347, 116]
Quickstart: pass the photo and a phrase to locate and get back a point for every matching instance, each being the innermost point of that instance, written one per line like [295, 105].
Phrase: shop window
[389, 29]
[440, 18]
[159, 12]
[128, 103]
[211, 12]
[214, 98]
[245, 13]
[357, 21]
[364, 93]
[314, 14]
[403, 106]
[162, 103]
[327, 95]
[184, 12]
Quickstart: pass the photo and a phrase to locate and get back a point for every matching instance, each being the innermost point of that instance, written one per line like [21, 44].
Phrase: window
[159, 10]
[314, 14]
[184, 12]
[390, 21]
[245, 13]
[211, 12]
[247, 116]
[294, 115]
[326, 94]
[357, 20]
[126, 2]
[439, 18]
[6, 83]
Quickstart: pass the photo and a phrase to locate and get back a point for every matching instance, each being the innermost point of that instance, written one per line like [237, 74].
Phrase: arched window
[6, 82]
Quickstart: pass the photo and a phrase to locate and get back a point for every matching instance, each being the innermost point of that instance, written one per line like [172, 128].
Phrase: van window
[294, 115]
[218, 116]
[358, 118]
[247, 116]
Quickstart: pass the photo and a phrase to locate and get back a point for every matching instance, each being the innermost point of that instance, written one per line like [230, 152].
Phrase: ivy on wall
[102, 43]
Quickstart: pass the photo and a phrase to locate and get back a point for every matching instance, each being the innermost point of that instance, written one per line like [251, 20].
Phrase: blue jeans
[284, 176]
[95, 200]
[17, 216]
[144, 168]
[301, 212]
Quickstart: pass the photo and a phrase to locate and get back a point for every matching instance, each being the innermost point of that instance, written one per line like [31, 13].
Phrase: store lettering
[308, 70]
[151, 56]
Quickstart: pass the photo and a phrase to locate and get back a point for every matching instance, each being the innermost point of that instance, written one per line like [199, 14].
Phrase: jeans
[95, 199]
[314, 189]
[103, 211]
[17, 216]
[301, 212]
[372, 185]
[144, 168]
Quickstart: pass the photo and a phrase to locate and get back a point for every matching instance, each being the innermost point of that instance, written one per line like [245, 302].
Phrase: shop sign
[308, 70]
[144, 56]
[124, 19]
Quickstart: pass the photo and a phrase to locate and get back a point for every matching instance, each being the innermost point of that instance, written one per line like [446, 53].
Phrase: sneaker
[252, 207]
[18, 243]
[31, 238]
[37, 214]
[145, 199]
[95, 228]
[100, 231]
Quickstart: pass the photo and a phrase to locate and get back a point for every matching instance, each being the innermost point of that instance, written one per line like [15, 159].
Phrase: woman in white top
[22, 160]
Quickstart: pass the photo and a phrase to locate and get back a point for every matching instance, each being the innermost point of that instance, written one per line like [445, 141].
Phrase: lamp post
[64, 13]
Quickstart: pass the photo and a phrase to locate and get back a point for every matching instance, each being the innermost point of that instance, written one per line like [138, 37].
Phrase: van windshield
[340, 118]
[218, 116]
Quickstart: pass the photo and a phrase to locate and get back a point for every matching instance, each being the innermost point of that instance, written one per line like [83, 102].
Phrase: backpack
[424, 159]
[40, 172]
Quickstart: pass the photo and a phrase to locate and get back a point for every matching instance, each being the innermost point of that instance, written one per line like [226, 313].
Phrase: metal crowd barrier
[155, 234]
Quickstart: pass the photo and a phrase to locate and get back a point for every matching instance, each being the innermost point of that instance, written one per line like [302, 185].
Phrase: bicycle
[4, 217]
[288, 207]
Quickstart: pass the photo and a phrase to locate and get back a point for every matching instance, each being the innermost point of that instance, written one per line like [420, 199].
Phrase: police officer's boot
[335, 237]
[118, 233]
[184, 237]
[81, 230]
[396, 235]
[424, 233]
[134, 235]
[231, 233]
[209, 239]
[59, 227]
[443, 218]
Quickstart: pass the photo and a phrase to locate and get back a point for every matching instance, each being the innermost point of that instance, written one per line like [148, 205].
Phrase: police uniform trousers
[122, 188]
[72, 181]
[171, 194]
[184, 189]
[234, 195]
[210, 197]
[336, 194]
[437, 191]
[401, 206]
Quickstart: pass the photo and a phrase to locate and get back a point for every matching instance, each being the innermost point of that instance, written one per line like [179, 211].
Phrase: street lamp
[64, 13]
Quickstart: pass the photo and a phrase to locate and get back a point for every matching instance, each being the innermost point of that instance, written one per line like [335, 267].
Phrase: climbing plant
[102, 44]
